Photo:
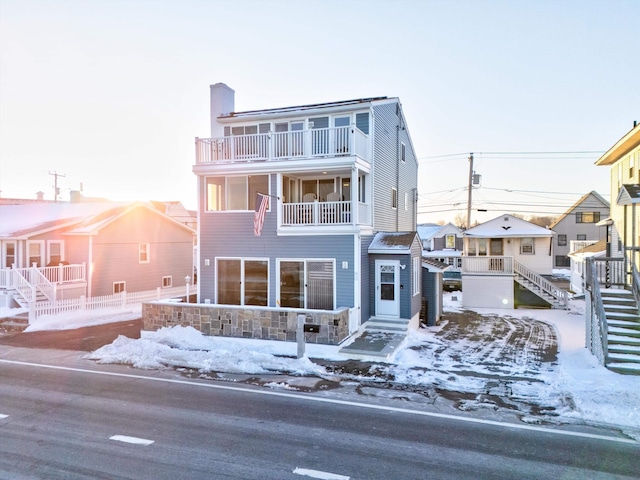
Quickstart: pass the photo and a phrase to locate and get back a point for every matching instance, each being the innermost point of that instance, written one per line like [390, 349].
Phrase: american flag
[262, 203]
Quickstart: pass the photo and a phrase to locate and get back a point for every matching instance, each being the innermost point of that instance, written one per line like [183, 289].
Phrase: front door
[495, 248]
[388, 288]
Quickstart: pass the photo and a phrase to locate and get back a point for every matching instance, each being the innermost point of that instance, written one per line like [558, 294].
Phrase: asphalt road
[74, 419]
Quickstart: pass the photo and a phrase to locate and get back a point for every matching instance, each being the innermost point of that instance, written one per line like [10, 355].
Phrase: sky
[110, 94]
[596, 395]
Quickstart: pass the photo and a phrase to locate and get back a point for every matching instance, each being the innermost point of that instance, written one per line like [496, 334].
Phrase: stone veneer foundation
[247, 322]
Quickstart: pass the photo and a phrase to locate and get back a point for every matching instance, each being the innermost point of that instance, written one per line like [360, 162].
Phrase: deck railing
[488, 265]
[316, 213]
[597, 329]
[317, 142]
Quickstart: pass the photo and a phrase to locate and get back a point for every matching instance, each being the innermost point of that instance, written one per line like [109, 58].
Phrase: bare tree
[542, 220]
[460, 220]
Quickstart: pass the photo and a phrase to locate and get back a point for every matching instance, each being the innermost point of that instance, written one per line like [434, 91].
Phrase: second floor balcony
[290, 145]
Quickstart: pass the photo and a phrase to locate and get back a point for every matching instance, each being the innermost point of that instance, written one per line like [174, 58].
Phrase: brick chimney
[222, 103]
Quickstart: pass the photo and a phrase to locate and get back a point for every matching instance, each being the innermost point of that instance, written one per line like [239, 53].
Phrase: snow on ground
[575, 388]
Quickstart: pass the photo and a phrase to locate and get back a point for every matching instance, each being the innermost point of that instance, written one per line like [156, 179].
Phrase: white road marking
[494, 423]
[319, 474]
[3, 416]
[134, 440]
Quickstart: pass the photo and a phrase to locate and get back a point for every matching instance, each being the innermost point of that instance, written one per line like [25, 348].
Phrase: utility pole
[470, 188]
[56, 190]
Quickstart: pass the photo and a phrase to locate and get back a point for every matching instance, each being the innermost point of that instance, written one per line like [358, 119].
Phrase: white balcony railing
[316, 213]
[575, 245]
[317, 142]
[488, 265]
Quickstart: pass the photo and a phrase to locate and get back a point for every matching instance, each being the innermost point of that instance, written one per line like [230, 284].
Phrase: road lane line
[319, 474]
[134, 440]
[446, 416]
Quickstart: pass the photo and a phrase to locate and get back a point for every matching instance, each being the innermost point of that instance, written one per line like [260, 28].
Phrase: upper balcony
[279, 146]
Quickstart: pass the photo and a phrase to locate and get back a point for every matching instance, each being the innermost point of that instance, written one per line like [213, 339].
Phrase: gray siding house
[334, 177]
[579, 226]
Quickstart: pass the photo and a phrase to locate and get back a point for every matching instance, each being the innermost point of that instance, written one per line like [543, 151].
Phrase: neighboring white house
[578, 257]
[504, 265]
[443, 243]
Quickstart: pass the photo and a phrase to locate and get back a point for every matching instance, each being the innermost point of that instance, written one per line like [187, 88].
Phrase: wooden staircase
[623, 324]
[556, 297]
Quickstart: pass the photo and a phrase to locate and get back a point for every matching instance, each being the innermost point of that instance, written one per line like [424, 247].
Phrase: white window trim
[5, 246]
[446, 239]
[416, 276]
[533, 246]
[124, 286]
[304, 261]
[242, 260]
[148, 252]
[42, 257]
[52, 242]
[169, 283]
[226, 190]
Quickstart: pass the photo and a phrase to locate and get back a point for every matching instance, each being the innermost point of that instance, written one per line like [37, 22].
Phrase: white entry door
[388, 288]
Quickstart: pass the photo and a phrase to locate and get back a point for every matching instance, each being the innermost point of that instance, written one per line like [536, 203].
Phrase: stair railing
[43, 284]
[597, 330]
[545, 286]
[23, 286]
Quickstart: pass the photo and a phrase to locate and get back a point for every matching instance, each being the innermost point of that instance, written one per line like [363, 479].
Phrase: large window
[587, 217]
[243, 281]
[235, 193]
[562, 261]
[307, 284]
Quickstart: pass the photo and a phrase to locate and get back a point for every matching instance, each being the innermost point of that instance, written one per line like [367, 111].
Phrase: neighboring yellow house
[624, 160]
[611, 292]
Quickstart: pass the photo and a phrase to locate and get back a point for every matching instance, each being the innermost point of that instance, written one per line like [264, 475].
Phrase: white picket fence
[118, 301]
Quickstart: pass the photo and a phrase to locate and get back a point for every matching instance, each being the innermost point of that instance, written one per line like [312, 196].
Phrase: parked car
[451, 280]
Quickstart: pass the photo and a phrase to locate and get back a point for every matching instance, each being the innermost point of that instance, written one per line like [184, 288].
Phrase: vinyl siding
[416, 252]
[367, 283]
[568, 225]
[115, 253]
[390, 172]
[230, 234]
